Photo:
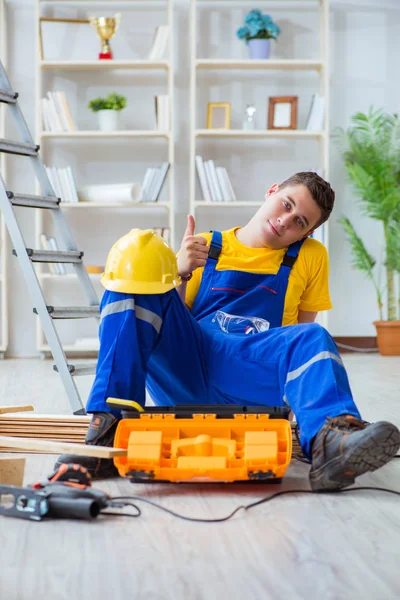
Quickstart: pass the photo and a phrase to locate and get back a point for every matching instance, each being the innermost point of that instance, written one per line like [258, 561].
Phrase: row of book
[162, 112]
[56, 115]
[160, 43]
[63, 183]
[214, 181]
[153, 181]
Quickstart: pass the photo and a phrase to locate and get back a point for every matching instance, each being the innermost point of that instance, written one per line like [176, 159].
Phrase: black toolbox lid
[222, 411]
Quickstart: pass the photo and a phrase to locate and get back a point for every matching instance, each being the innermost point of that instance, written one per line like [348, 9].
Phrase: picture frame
[282, 112]
[55, 20]
[219, 115]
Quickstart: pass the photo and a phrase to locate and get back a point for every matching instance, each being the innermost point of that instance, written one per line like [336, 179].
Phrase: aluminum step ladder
[28, 256]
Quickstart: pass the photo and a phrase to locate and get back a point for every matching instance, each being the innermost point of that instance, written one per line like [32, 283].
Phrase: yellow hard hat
[141, 262]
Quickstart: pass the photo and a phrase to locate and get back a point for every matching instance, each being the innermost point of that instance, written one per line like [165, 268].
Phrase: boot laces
[346, 422]
[341, 423]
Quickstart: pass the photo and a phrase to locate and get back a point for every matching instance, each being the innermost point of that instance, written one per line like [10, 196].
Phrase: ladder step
[72, 312]
[89, 369]
[11, 147]
[8, 97]
[54, 256]
[33, 201]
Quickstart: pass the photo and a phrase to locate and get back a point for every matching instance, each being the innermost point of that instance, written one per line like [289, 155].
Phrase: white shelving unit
[287, 64]
[236, 70]
[49, 141]
[241, 68]
[106, 134]
[263, 133]
[104, 65]
[138, 205]
[3, 233]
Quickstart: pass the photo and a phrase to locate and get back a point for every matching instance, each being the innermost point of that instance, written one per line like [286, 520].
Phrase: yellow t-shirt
[308, 287]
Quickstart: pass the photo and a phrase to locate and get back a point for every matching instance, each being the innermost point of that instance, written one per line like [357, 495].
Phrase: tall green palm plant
[371, 152]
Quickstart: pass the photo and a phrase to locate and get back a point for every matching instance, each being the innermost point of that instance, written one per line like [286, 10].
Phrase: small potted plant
[371, 150]
[257, 33]
[108, 110]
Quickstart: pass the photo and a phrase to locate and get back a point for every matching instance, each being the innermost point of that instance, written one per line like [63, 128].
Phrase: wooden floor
[334, 547]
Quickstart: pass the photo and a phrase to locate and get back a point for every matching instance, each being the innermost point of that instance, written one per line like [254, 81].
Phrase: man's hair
[319, 189]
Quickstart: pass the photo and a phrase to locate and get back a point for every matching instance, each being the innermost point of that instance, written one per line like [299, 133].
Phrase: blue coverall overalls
[184, 357]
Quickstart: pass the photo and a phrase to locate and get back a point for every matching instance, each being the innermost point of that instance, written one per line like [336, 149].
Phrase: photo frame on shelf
[282, 112]
[56, 25]
[218, 115]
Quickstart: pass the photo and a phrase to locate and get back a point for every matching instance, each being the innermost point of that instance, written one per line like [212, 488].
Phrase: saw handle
[73, 508]
[73, 501]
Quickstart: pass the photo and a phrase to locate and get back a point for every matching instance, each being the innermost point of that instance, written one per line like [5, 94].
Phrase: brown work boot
[100, 433]
[346, 447]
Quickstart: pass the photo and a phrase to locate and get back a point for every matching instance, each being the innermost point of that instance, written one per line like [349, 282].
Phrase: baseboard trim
[361, 342]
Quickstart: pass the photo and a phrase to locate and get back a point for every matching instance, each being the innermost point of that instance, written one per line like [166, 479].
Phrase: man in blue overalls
[270, 269]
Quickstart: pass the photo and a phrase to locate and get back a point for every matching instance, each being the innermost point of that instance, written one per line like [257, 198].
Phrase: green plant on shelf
[112, 102]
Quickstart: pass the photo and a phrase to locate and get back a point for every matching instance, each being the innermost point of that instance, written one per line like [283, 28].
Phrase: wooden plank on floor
[66, 440]
[24, 451]
[23, 420]
[15, 409]
[61, 447]
[48, 417]
[11, 430]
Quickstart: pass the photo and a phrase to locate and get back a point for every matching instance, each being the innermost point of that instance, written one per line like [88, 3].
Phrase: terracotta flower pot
[388, 333]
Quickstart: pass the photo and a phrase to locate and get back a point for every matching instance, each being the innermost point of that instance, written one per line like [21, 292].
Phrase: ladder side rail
[38, 299]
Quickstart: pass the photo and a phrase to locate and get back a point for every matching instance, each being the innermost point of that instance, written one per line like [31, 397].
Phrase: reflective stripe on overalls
[185, 358]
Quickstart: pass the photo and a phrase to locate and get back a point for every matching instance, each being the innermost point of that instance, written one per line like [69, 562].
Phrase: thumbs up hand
[193, 252]
[190, 227]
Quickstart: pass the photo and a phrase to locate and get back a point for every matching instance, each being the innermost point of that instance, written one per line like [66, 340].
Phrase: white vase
[108, 120]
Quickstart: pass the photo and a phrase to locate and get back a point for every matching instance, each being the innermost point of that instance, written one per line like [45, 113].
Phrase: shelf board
[114, 2]
[67, 276]
[90, 205]
[130, 133]
[261, 133]
[90, 65]
[283, 3]
[237, 204]
[281, 64]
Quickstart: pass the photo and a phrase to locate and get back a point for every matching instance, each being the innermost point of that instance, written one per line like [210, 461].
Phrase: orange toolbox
[202, 443]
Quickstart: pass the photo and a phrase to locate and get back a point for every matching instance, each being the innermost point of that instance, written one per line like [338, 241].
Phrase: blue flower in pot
[258, 32]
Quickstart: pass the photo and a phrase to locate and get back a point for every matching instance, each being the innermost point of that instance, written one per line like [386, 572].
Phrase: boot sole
[374, 452]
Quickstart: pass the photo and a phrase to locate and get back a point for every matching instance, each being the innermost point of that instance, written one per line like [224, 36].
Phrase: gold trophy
[105, 27]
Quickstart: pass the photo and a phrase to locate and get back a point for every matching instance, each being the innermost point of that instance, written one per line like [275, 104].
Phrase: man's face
[287, 215]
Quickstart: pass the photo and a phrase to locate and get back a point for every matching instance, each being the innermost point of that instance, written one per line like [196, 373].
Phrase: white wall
[364, 49]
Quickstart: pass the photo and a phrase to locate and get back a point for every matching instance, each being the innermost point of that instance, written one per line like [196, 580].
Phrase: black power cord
[122, 501]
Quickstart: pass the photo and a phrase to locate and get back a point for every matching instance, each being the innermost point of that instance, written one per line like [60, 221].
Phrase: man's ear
[274, 188]
[308, 234]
